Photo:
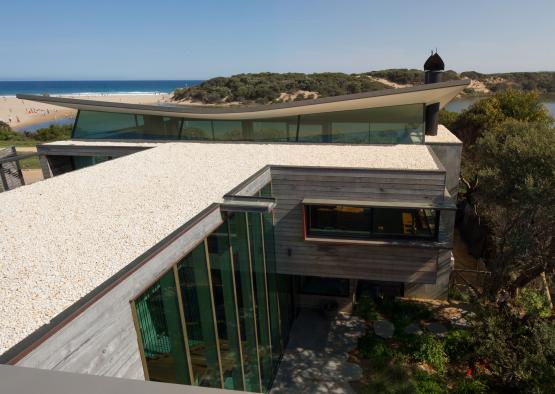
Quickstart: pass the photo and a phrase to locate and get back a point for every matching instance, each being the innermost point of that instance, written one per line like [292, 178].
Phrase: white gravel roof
[63, 237]
[444, 136]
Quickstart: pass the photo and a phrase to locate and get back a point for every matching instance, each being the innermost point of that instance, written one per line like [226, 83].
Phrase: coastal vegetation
[9, 137]
[264, 88]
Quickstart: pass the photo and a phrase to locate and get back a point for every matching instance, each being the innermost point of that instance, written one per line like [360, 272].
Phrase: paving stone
[315, 360]
[384, 328]
[413, 329]
[436, 328]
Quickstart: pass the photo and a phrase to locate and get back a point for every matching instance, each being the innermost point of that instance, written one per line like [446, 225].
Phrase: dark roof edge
[241, 109]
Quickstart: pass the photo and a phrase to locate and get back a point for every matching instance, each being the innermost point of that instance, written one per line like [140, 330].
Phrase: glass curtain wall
[194, 280]
[402, 124]
[163, 339]
[238, 232]
[223, 289]
[214, 319]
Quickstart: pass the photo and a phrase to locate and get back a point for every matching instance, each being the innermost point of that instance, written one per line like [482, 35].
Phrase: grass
[5, 144]
[411, 363]
[31, 163]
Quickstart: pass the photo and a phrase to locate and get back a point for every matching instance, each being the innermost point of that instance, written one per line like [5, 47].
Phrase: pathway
[315, 360]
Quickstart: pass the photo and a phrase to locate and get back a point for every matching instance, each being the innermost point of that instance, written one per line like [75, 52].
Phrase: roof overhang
[441, 93]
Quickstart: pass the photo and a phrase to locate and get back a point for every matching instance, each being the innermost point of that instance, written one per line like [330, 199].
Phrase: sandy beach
[20, 113]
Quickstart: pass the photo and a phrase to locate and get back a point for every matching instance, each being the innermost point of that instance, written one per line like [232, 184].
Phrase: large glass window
[223, 288]
[403, 124]
[404, 222]
[339, 220]
[197, 303]
[284, 129]
[162, 336]
[355, 222]
[197, 130]
[271, 276]
[222, 318]
[238, 232]
[260, 297]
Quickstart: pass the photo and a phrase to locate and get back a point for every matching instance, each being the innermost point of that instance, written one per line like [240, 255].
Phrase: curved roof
[441, 92]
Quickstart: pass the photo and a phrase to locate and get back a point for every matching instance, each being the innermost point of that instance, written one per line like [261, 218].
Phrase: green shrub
[471, 386]
[459, 345]
[366, 309]
[375, 348]
[402, 312]
[534, 302]
[429, 384]
[454, 292]
[519, 352]
[432, 352]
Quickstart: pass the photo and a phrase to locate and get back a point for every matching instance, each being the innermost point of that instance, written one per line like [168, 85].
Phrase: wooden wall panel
[388, 263]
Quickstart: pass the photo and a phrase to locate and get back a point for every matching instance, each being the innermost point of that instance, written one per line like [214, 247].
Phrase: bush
[432, 352]
[471, 386]
[534, 302]
[519, 352]
[402, 313]
[51, 133]
[366, 309]
[459, 345]
[375, 348]
[429, 384]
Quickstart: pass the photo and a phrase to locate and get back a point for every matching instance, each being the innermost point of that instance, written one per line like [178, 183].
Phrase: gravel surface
[61, 238]
[444, 136]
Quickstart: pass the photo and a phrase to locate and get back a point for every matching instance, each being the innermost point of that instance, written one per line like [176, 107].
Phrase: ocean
[92, 88]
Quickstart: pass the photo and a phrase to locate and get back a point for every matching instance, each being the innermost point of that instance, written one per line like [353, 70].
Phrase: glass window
[339, 220]
[223, 290]
[197, 130]
[87, 161]
[112, 125]
[403, 124]
[404, 222]
[343, 221]
[161, 331]
[260, 297]
[245, 299]
[271, 276]
[228, 130]
[350, 132]
[275, 129]
[199, 318]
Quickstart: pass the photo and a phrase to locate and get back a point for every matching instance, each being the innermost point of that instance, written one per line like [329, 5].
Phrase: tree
[505, 105]
[516, 168]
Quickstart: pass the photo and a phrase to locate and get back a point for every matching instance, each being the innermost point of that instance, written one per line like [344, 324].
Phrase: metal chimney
[433, 69]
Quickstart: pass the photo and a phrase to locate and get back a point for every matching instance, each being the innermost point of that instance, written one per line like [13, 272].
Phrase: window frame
[372, 236]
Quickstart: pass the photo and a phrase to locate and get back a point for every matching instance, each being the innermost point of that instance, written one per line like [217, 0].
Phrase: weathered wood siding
[387, 263]
[102, 340]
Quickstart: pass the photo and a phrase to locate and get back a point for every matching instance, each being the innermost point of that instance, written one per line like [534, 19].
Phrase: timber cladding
[294, 255]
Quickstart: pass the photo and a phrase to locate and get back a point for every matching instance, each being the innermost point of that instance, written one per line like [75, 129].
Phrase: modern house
[176, 243]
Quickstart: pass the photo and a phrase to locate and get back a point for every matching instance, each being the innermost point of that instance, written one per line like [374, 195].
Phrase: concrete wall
[450, 157]
[445, 265]
[102, 339]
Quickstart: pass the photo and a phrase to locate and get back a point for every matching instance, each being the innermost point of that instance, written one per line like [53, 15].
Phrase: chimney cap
[434, 63]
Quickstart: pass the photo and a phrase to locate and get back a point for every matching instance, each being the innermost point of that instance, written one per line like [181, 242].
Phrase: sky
[183, 39]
